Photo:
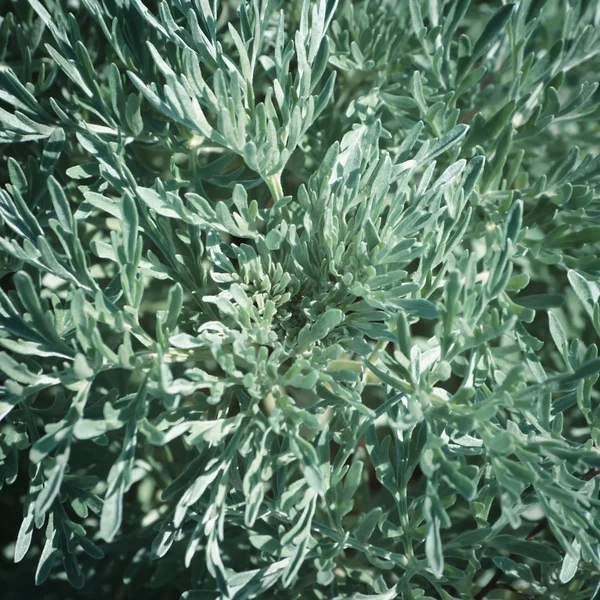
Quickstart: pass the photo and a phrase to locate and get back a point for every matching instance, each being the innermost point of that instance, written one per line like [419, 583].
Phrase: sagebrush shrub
[301, 299]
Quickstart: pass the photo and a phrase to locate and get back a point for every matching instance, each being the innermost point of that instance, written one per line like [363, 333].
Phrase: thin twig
[591, 474]
[537, 529]
[492, 584]
[504, 586]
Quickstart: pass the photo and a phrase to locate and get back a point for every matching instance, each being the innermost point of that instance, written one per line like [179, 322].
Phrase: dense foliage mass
[300, 299]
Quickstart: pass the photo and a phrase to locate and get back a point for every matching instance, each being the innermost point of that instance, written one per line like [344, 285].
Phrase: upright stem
[274, 184]
[381, 344]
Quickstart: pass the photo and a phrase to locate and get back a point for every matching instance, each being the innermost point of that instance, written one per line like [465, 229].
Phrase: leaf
[588, 369]
[47, 559]
[51, 489]
[24, 538]
[570, 562]
[133, 115]
[273, 240]
[112, 514]
[61, 205]
[391, 594]
[558, 335]
[52, 151]
[157, 203]
[587, 291]
[70, 70]
[307, 455]
[541, 301]
[537, 551]
[514, 219]
[419, 307]
[129, 227]
[87, 429]
[416, 17]
[297, 536]
[433, 541]
[494, 26]
[460, 482]
[514, 569]
[444, 143]
[576, 239]
[30, 300]
[353, 480]
[367, 524]
[320, 328]
[472, 174]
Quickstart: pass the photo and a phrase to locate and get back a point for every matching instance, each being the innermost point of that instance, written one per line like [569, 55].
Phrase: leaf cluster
[300, 299]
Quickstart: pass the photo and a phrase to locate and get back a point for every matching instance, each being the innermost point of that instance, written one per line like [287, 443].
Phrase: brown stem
[492, 584]
[504, 586]
[537, 529]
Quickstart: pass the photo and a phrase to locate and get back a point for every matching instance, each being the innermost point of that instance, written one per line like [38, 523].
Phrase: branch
[493, 584]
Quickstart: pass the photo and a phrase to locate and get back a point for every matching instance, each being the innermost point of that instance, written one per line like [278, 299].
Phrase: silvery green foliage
[301, 299]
